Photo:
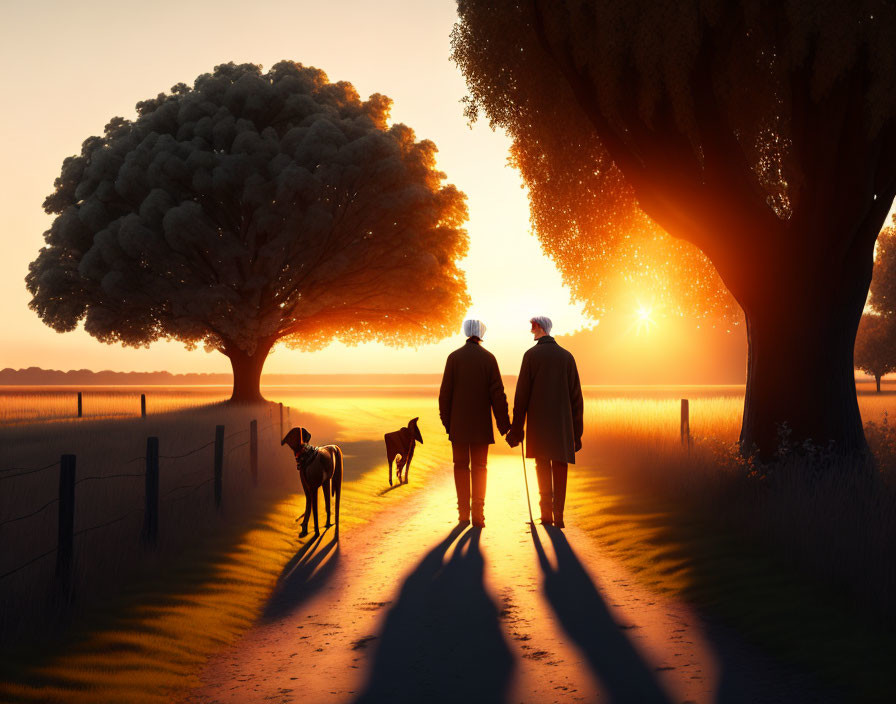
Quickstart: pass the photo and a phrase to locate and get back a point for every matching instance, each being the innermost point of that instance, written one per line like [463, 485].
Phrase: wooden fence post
[65, 548]
[219, 462]
[253, 451]
[281, 421]
[151, 513]
[685, 423]
[143, 405]
[80, 407]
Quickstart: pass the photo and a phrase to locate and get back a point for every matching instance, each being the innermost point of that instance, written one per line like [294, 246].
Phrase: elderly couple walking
[548, 400]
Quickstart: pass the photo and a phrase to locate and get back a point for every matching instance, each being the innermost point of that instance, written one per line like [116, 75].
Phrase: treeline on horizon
[36, 376]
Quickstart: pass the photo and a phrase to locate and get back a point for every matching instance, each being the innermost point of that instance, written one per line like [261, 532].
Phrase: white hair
[544, 322]
[474, 328]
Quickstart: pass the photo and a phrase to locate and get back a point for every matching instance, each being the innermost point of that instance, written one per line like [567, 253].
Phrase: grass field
[801, 560]
[40, 404]
[146, 640]
[689, 523]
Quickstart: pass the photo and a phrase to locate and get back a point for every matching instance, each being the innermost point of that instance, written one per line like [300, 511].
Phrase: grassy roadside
[148, 644]
[679, 550]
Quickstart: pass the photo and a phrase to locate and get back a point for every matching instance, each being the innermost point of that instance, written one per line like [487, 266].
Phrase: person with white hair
[548, 400]
[471, 391]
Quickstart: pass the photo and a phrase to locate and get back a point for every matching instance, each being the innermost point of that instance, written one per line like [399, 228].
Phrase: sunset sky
[69, 67]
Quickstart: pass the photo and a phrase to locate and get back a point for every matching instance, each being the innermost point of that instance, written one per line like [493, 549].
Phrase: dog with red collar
[319, 468]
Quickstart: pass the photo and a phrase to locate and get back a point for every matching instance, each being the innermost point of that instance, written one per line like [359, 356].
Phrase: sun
[644, 318]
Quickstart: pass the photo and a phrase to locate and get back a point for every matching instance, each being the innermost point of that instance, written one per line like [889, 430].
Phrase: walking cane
[526, 479]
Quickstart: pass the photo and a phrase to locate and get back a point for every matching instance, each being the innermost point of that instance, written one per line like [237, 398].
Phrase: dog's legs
[307, 507]
[400, 465]
[407, 466]
[390, 470]
[326, 489]
[314, 509]
[337, 485]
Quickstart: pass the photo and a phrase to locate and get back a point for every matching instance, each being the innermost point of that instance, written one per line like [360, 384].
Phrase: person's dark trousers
[465, 458]
[551, 490]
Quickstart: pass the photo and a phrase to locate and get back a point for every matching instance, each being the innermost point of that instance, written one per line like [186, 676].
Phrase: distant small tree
[251, 208]
[875, 352]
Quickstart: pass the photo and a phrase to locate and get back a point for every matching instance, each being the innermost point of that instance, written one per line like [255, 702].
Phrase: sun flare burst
[644, 321]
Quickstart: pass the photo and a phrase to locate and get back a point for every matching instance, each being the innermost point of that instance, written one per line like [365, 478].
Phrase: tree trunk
[877, 379]
[247, 372]
[800, 366]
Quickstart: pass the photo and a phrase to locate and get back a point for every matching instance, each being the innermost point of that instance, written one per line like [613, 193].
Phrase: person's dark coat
[471, 390]
[549, 399]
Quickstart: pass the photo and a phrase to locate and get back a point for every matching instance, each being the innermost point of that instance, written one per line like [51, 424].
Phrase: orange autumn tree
[249, 209]
[761, 136]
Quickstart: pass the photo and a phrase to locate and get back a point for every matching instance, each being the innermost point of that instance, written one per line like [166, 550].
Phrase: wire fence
[152, 498]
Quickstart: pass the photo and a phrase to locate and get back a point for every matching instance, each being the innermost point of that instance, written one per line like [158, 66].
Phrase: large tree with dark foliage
[762, 133]
[251, 208]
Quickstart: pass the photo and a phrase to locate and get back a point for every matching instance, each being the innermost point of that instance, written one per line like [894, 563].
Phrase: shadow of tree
[442, 641]
[305, 573]
[584, 616]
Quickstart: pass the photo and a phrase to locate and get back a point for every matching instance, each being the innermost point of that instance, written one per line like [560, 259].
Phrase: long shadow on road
[584, 615]
[305, 573]
[442, 641]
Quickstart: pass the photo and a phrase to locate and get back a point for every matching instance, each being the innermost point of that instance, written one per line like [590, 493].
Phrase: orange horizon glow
[68, 85]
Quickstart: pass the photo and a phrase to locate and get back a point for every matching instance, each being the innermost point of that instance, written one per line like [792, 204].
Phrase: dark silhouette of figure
[549, 400]
[319, 468]
[584, 616]
[471, 391]
[442, 641]
[401, 444]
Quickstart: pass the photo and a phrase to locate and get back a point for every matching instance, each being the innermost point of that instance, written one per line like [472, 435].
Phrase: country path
[413, 608]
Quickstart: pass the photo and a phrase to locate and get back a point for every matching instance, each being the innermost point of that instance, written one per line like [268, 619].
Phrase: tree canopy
[761, 134]
[249, 208]
[882, 296]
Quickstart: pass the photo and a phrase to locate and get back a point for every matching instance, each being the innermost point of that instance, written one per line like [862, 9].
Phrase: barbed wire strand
[187, 486]
[189, 491]
[29, 515]
[107, 523]
[108, 476]
[236, 447]
[28, 471]
[28, 564]
[186, 454]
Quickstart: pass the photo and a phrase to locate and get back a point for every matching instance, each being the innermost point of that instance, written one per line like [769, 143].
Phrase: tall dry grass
[33, 404]
[833, 521]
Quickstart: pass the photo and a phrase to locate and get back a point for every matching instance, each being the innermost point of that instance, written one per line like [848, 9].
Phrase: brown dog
[319, 467]
[401, 444]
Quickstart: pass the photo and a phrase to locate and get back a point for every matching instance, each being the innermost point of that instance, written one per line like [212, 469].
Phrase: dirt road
[413, 608]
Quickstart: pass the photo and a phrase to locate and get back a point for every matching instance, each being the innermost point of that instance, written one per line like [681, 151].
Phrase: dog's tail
[337, 483]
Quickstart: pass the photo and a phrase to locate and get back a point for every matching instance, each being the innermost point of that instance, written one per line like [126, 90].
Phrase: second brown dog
[400, 444]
